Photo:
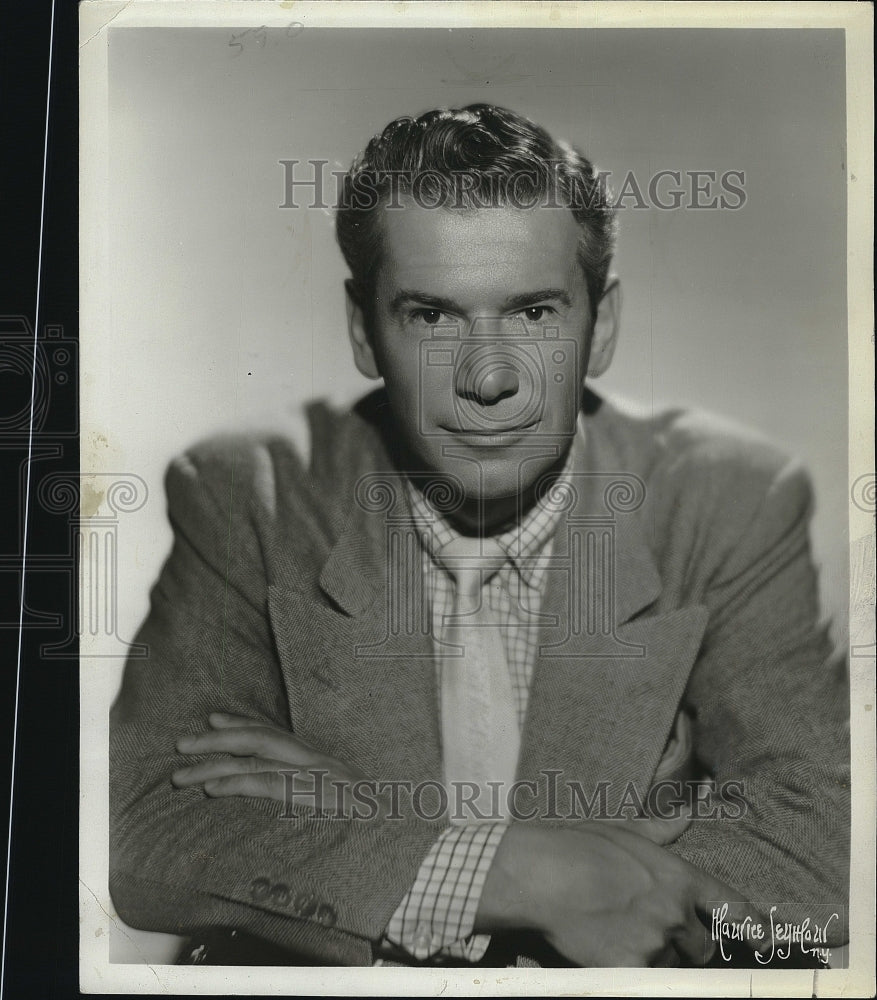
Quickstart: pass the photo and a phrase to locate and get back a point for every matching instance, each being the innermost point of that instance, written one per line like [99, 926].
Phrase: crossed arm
[601, 894]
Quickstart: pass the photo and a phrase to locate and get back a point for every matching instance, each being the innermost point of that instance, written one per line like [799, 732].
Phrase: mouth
[496, 437]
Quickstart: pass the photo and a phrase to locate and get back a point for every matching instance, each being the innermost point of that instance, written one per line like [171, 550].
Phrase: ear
[605, 333]
[360, 341]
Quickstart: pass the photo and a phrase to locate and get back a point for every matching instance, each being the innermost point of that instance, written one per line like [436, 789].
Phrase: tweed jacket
[276, 602]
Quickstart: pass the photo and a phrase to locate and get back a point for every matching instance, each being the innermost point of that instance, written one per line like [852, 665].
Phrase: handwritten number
[260, 35]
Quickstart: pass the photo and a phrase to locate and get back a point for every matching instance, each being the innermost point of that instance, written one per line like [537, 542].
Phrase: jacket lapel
[358, 655]
[600, 717]
[609, 676]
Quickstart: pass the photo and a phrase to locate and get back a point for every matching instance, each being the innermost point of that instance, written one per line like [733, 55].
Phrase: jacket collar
[601, 495]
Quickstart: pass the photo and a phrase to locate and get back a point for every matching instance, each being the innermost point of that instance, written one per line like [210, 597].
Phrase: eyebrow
[407, 296]
[532, 298]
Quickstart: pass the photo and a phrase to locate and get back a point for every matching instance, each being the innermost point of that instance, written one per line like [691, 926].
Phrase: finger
[197, 774]
[250, 741]
[270, 785]
[693, 941]
[229, 720]
[260, 785]
[658, 830]
[664, 831]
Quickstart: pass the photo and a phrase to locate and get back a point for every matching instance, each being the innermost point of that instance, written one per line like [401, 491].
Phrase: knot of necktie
[472, 563]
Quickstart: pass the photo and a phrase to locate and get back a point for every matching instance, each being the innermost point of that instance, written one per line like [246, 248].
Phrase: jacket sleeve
[771, 710]
[180, 861]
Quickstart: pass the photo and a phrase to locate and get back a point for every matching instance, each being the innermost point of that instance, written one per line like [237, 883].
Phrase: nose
[487, 381]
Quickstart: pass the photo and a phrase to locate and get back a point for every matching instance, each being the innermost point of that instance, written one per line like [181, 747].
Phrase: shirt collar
[521, 542]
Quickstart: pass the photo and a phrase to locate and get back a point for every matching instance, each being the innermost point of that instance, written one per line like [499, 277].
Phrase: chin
[495, 489]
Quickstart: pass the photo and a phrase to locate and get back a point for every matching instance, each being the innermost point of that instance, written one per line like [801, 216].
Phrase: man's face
[482, 331]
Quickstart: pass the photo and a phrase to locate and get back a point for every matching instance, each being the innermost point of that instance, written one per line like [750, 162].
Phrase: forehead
[461, 251]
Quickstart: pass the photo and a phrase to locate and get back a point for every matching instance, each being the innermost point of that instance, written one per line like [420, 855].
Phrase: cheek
[402, 373]
[562, 403]
[416, 373]
[396, 357]
[566, 366]
[413, 387]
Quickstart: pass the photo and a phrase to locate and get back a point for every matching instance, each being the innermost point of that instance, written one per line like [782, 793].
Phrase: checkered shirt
[438, 912]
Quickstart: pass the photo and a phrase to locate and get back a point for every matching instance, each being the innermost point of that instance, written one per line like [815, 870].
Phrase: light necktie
[480, 729]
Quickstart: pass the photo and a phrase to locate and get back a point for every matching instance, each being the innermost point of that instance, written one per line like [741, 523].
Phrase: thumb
[659, 830]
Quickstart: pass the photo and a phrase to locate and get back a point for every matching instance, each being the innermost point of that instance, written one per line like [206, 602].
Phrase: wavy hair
[470, 158]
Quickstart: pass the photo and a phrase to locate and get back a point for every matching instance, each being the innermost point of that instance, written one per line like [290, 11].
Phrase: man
[488, 627]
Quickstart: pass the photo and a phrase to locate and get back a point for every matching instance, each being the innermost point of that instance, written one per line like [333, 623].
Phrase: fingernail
[185, 743]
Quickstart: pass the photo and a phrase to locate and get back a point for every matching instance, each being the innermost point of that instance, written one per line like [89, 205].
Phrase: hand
[605, 893]
[256, 753]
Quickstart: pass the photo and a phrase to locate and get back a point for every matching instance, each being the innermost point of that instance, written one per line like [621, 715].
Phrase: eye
[431, 317]
[534, 313]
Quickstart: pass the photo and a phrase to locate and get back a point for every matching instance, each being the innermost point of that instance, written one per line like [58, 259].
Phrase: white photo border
[98, 975]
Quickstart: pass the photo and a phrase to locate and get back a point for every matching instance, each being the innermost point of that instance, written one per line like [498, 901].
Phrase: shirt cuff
[438, 912]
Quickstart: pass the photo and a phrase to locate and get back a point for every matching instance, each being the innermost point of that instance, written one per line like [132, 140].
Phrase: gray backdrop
[227, 311]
